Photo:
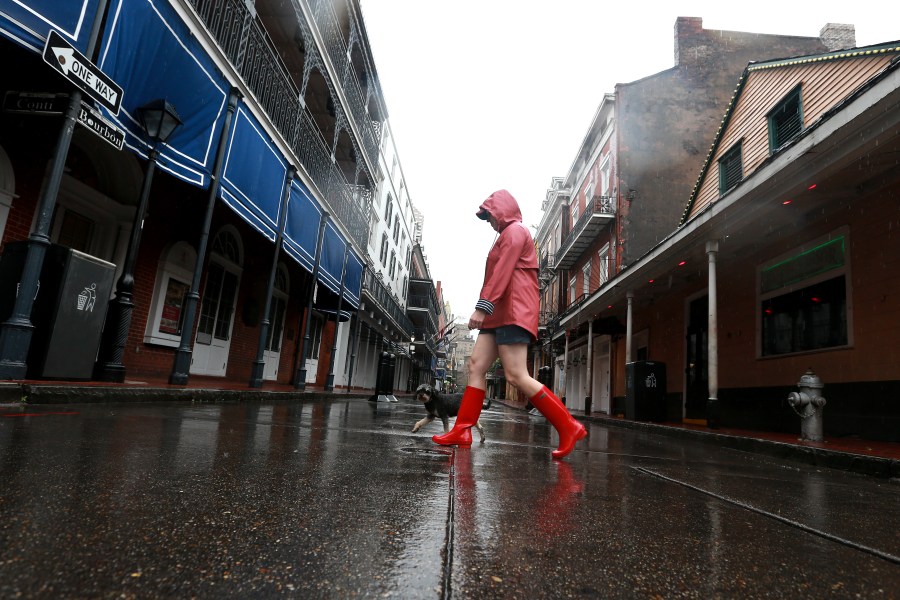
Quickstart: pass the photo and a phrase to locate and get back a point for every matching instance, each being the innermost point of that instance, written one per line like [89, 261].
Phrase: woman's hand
[477, 319]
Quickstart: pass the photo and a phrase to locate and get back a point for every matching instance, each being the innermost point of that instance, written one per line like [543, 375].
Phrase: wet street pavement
[338, 499]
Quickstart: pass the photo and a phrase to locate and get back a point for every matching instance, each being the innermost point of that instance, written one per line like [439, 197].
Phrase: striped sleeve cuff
[485, 305]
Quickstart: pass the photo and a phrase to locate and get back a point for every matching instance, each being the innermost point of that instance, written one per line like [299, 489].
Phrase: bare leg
[514, 358]
[483, 356]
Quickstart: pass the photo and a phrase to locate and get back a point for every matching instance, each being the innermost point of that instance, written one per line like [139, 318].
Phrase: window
[218, 297]
[277, 309]
[574, 211]
[397, 229]
[785, 120]
[604, 264]
[382, 255]
[803, 299]
[604, 177]
[388, 210]
[586, 279]
[74, 230]
[730, 169]
[173, 277]
[373, 225]
[572, 291]
[315, 337]
[217, 306]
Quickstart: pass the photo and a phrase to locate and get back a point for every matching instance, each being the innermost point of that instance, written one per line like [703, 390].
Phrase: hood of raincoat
[503, 207]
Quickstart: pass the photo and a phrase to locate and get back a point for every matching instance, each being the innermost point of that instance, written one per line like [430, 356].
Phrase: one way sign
[60, 55]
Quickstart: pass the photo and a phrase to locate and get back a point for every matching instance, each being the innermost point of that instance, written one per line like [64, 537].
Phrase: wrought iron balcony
[378, 293]
[252, 53]
[597, 215]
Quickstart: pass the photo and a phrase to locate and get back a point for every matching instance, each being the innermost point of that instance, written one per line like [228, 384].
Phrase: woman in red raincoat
[507, 316]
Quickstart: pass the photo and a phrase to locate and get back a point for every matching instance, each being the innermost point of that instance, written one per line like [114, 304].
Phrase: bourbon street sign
[75, 67]
[92, 119]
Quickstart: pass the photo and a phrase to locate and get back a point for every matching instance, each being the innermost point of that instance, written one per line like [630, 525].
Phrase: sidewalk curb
[63, 394]
[874, 466]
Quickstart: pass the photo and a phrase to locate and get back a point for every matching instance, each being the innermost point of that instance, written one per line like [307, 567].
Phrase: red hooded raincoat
[510, 294]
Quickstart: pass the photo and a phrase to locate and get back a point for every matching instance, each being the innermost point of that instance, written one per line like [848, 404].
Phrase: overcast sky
[491, 94]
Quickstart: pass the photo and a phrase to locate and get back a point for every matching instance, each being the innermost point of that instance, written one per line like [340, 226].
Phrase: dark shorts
[510, 334]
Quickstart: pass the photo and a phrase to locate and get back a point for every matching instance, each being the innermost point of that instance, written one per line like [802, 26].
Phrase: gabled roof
[853, 53]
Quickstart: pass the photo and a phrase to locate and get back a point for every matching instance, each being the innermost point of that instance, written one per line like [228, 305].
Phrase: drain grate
[429, 452]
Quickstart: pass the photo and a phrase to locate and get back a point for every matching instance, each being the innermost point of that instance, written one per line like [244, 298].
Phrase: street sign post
[76, 67]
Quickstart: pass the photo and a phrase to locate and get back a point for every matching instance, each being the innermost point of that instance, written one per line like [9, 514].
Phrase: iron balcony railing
[547, 262]
[327, 23]
[424, 295]
[600, 206]
[381, 295]
[428, 337]
[251, 51]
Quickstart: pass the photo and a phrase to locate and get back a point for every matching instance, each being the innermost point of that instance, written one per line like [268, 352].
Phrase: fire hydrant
[808, 404]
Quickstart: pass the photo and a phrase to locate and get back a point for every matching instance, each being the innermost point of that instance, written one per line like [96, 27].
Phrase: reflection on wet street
[338, 499]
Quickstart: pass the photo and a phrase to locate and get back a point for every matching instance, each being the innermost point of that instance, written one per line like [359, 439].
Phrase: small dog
[443, 406]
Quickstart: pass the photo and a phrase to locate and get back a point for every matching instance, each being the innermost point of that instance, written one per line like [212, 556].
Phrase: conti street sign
[75, 67]
[92, 120]
[35, 103]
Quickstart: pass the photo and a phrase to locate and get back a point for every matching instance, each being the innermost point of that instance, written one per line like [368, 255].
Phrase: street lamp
[159, 120]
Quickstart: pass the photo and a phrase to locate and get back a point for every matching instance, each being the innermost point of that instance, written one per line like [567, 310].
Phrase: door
[601, 376]
[696, 375]
[272, 352]
[213, 341]
[312, 350]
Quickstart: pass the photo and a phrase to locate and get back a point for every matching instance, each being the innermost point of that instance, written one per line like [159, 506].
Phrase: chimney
[685, 28]
[838, 36]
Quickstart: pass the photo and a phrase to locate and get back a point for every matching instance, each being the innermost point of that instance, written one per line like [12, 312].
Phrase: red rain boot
[469, 411]
[570, 430]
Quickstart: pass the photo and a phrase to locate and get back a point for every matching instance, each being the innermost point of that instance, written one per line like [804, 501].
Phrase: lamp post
[159, 120]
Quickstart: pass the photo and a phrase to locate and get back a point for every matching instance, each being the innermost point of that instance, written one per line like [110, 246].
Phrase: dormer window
[785, 120]
[731, 170]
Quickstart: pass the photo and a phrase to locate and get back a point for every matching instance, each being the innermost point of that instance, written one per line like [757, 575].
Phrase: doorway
[213, 341]
[601, 369]
[272, 352]
[696, 374]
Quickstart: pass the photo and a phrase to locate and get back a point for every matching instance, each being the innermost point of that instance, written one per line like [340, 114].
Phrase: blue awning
[353, 280]
[253, 178]
[300, 238]
[149, 51]
[302, 226]
[29, 23]
[331, 263]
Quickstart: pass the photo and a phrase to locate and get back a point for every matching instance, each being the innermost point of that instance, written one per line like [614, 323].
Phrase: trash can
[645, 391]
[384, 378]
[68, 312]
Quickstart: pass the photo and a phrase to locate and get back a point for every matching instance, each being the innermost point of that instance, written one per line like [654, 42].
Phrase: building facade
[622, 196]
[243, 246]
[776, 270]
